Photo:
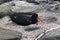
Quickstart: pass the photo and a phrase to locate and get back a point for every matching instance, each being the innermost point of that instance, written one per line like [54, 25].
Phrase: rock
[52, 35]
[13, 39]
[6, 34]
[3, 1]
[50, 19]
[16, 6]
[31, 28]
[4, 20]
[4, 10]
[21, 6]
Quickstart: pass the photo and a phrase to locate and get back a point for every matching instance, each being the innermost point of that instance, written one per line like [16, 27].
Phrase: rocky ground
[33, 31]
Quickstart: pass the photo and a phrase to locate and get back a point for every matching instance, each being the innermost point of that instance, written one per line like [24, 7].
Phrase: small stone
[50, 19]
[31, 28]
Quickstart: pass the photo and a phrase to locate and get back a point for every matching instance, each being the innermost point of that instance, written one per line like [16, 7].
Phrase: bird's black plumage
[33, 1]
[24, 18]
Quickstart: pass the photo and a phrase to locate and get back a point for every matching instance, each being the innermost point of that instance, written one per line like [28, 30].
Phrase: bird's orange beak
[41, 20]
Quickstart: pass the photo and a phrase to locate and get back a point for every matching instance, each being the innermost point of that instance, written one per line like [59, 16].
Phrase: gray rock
[31, 28]
[16, 6]
[52, 35]
[50, 19]
[3, 1]
[4, 10]
[6, 34]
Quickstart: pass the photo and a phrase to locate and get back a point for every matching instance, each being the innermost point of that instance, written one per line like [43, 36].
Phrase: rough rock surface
[29, 35]
[3, 1]
[17, 6]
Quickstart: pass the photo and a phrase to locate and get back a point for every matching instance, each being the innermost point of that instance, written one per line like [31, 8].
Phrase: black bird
[57, 0]
[24, 18]
[33, 1]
